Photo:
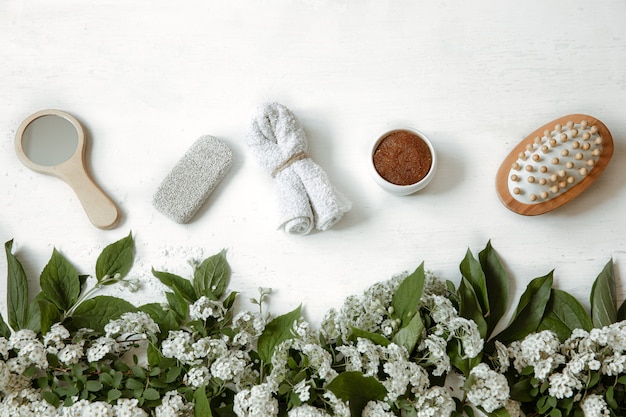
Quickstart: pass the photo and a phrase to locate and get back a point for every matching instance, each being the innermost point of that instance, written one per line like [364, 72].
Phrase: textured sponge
[193, 178]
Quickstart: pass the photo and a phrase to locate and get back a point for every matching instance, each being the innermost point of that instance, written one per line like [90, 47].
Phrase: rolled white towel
[304, 194]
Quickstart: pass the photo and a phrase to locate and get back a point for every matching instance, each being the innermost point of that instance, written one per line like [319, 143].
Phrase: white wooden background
[148, 77]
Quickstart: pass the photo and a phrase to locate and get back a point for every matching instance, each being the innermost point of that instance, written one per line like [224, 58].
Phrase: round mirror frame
[48, 169]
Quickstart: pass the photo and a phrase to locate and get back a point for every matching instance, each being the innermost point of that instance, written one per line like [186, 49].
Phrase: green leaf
[603, 302]
[48, 313]
[59, 282]
[113, 395]
[374, 337]
[530, 310]
[93, 385]
[17, 290]
[473, 271]
[469, 306]
[621, 313]
[409, 334]
[177, 304]
[180, 285]
[276, 332]
[201, 403]
[405, 301]
[96, 312]
[172, 374]
[51, 398]
[5, 331]
[151, 394]
[134, 384]
[459, 359]
[500, 412]
[117, 258]
[211, 277]
[357, 390]
[564, 314]
[497, 286]
[34, 317]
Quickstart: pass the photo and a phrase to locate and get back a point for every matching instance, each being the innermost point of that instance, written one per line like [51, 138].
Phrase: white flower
[441, 308]
[367, 312]
[402, 373]
[249, 326]
[595, 406]
[204, 308]
[513, 408]
[488, 388]
[562, 385]
[54, 340]
[101, 347]
[433, 348]
[502, 357]
[320, 360]
[436, 401]
[467, 332]
[131, 324]
[227, 367]
[86, 408]
[4, 347]
[377, 409]
[173, 405]
[126, 407]
[306, 410]
[32, 352]
[340, 408]
[539, 350]
[301, 389]
[5, 375]
[21, 337]
[197, 376]
[614, 364]
[255, 402]
[178, 345]
[71, 354]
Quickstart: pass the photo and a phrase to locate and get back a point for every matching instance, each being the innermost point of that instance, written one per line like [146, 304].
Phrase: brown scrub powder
[402, 158]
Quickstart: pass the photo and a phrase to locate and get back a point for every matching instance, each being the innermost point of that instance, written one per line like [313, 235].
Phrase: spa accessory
[554, 164]
[53, 142]
[305, 196]
[402, 161]
[193, 178]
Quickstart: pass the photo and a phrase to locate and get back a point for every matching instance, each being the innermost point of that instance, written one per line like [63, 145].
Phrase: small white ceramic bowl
[402, 189]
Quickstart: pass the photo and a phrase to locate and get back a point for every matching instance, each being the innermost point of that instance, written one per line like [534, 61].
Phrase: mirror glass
[49, 140]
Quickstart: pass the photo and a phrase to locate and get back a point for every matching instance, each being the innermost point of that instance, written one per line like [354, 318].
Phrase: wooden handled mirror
[53, 142]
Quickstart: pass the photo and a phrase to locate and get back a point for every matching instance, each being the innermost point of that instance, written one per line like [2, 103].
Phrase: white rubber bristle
[533, 180]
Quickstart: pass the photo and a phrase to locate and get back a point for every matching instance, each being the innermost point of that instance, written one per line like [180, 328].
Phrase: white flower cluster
[539, 350]
[131, 324]
[434, 402]
[210, 358]
[28, 402]
[21, 351]
[319, 362]
[401, 374]
[174, 405]
[204, 308]
[568, 366]
[448, 325]
[488, 389]
[249, 327]
[594, 406]
[369, 312]
[256, 401]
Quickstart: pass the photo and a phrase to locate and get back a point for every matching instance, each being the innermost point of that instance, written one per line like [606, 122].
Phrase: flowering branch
[412, 346]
